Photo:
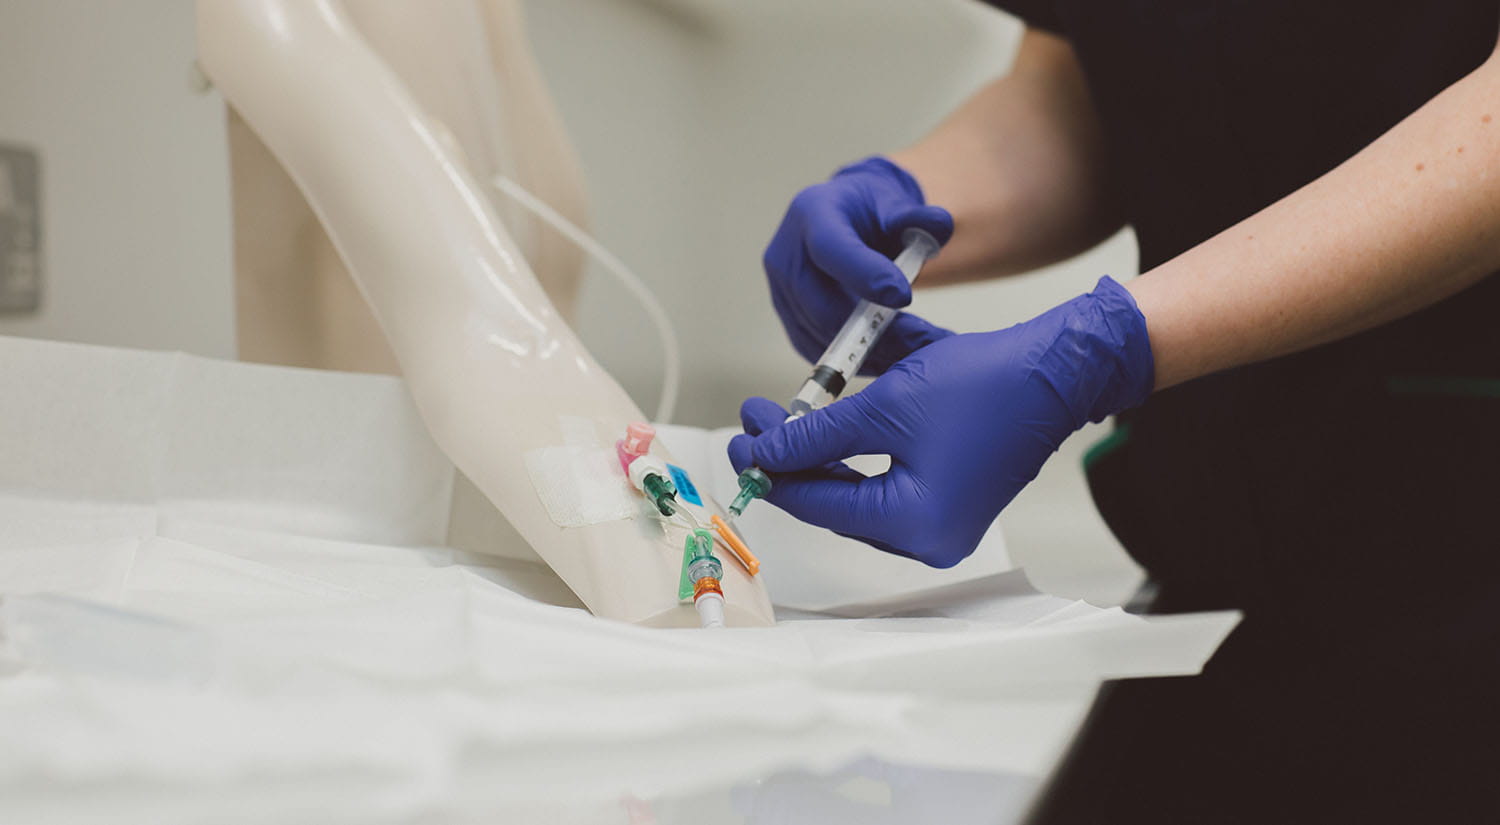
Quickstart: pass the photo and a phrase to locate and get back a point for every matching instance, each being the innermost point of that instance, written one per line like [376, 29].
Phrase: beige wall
[135, 221]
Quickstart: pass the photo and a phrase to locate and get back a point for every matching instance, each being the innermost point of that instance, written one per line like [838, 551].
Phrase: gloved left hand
[835, 246]
[967, 421]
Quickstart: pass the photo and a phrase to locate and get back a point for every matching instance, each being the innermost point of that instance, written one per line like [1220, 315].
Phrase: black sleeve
[1040, 14]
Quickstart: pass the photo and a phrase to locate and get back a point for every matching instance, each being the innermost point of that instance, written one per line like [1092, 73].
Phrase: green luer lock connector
[754, 484]
[662, 493]
[697, 550]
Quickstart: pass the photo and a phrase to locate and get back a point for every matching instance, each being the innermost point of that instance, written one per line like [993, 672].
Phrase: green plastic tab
[685, 587]
[699, 543]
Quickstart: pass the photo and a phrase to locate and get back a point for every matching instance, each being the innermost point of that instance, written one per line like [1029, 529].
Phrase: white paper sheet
[297, 451]
[223, 597]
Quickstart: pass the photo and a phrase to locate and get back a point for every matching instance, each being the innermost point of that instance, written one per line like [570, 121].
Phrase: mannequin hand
[967, 422]
[835, 246]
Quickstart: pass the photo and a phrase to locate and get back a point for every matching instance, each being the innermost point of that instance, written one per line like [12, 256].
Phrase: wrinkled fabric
[224, 597]
[217, 674]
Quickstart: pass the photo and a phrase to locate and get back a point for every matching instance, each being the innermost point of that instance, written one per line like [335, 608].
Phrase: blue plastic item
[685, 487]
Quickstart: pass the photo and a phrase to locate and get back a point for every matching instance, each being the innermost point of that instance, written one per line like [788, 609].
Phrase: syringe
[845, 354]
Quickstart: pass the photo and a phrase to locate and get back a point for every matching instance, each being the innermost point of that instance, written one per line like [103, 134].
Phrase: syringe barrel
[917, 246]
[847, 352]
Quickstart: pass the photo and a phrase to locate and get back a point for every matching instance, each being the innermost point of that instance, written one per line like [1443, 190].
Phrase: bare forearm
[1020, 167]
[1410, 220]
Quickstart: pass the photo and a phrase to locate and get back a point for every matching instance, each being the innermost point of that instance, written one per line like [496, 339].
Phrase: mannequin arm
[491, 365]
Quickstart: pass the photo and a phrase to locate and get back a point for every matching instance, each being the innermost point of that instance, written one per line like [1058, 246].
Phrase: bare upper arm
[1043, 51]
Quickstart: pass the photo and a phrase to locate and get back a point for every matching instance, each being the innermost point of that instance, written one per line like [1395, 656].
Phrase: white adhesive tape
[581, 485]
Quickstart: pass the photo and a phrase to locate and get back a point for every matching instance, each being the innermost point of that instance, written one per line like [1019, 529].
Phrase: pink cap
[636, 443]
[638, 438]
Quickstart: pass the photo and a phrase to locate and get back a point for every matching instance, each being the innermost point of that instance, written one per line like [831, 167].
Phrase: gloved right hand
[835, 246]
[967, 422]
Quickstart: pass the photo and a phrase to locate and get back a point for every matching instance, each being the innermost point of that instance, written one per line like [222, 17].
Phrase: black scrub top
[1344, 498]
[1355, 465]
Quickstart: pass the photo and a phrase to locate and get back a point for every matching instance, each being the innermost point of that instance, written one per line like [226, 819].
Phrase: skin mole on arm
[1420, 167]
[1485, 119]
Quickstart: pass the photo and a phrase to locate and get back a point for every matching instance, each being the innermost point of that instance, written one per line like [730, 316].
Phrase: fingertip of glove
[771, 450]
[892, 293]
[934, 220]
[759, 414]
[766, 454]
[915, 331]
[793, 445]
[880, 165]
[739, 449]
[945, 560]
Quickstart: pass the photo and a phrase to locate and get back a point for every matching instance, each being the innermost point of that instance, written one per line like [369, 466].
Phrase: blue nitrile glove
[835, 246]
[967, 422]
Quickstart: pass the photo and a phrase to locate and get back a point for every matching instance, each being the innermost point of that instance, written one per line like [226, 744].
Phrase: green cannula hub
[754, 484]
[662, 493]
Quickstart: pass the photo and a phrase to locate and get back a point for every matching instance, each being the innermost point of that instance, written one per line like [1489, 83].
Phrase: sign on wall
[20, 230]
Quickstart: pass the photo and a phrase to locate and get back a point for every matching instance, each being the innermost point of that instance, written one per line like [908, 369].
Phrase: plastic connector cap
[638, 437]
[698, 563]
[662, 493]
[650, 475]
[636, 443]
[754, 484]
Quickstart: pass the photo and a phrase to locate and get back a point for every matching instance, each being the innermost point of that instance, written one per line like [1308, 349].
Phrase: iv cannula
[845, 354]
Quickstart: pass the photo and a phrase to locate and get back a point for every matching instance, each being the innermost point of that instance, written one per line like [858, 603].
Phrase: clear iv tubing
[666, 404]
[847, 352]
